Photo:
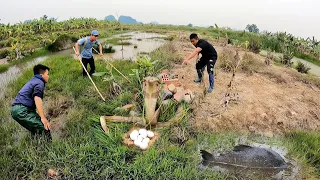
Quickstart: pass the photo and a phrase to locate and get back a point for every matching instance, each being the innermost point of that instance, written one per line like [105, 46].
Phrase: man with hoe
[208, 58]
[29, 99]
[86, 54]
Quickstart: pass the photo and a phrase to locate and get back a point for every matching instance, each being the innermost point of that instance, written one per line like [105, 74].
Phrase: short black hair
[193, 36]
[40, 69]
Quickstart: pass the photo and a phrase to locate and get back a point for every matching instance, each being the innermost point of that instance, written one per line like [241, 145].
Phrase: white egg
[133, 137]
[146, 140]
[143, 146]
[135, 132]
[140, 138]
[142, 130]
[143, 133]
[137, 143]
[150, 134]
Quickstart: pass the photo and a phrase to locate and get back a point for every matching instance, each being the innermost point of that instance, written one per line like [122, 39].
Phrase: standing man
[29, 99]
[208, 58]
[86, 54]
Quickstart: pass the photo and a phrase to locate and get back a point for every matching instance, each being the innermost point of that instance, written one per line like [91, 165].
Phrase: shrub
[302, 68]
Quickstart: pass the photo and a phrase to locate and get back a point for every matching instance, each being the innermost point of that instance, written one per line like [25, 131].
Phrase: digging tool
[113, 66]
[89, 76]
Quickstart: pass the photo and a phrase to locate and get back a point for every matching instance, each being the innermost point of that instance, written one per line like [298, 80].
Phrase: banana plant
[218, 29]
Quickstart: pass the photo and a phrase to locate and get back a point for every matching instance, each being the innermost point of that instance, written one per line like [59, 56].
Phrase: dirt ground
[3, 61]
[271, 100]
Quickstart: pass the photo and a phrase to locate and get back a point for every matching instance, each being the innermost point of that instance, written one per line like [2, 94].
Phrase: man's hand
[46, 123]
[101, 54]
[77, 54]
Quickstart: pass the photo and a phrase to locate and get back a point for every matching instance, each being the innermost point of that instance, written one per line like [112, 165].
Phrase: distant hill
[110, 18]
[127, 20]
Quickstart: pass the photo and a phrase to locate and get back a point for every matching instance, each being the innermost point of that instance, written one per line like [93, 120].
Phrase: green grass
[4, 67]
[308, 58]
[81, 150]
[306, 146]
[126, 36]
[117, 41]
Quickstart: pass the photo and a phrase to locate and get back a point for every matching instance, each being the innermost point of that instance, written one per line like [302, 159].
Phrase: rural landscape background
[266, 93]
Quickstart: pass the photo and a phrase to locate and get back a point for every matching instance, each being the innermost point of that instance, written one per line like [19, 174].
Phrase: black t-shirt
[208, 52]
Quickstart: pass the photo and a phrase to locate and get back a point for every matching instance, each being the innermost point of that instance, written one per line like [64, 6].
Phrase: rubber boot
[211, 82]
[199, 79]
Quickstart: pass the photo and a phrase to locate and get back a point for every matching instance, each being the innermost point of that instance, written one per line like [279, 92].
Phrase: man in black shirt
[208, 58]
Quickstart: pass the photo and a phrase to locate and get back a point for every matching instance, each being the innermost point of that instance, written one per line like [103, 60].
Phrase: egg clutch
[141, 138]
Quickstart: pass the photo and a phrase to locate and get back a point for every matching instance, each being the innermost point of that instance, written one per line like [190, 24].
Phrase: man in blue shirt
[29, 99]
[86, 54]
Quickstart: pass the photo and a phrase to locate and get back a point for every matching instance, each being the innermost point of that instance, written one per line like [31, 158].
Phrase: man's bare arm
[195, 52]
[39, 106]
[77, 48]
[100, 49]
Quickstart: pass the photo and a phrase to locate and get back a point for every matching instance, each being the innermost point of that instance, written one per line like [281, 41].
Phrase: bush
[62, 42]
[287, 57]
[271, 43]
[302, 68]
[3, 43]
[170, 38]
[105, 49]
[225, 60]
[249, 64]
[254, 45]
[4, 52]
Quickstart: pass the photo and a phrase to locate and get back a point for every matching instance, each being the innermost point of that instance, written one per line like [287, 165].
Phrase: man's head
[94, 35]
[42, 70]
[194, 39]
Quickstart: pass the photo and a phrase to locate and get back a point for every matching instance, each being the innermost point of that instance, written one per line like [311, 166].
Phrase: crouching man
[29, 99]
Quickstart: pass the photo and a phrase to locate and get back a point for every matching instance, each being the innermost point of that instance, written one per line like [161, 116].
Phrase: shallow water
[315, 70]
[15, 71]
[252, 173]
[146, 43]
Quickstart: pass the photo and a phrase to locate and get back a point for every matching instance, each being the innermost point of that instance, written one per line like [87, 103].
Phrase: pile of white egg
[141, 138]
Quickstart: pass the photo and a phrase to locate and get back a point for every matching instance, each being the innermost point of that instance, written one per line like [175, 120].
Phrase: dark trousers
[29, 119]
[201, 64]
[89, 61]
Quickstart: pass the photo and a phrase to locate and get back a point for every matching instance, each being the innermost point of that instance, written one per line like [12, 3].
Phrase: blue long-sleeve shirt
[34, 87]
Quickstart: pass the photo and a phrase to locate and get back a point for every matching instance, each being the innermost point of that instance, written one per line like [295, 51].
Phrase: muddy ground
[270, 100]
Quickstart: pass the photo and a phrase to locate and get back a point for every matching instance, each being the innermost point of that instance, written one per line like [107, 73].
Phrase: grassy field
[81, 150]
